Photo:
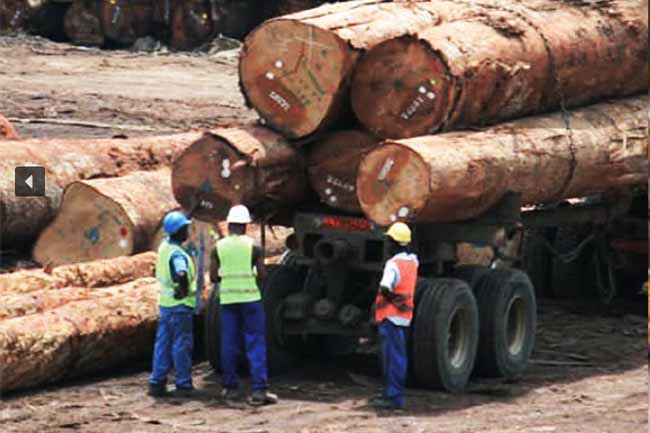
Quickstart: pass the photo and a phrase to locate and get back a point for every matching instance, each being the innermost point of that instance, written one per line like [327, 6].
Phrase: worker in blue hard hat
[176, 276]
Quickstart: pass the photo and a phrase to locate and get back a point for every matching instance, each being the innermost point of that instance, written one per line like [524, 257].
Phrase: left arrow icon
[30, 181]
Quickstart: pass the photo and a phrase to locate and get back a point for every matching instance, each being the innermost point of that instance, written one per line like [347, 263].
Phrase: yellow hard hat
[400, 233]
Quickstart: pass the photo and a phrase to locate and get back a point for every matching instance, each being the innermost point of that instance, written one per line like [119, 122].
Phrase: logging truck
[468, 319]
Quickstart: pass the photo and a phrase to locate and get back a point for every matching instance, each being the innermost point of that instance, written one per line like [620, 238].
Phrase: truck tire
[282, 281]
[212, 334]
[508, 317]
[471, 274]
[569, 280]
[445, 335]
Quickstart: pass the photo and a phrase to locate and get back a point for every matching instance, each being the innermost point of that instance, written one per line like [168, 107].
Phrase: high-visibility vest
[238, 280]
[165, 280]
[408, 275]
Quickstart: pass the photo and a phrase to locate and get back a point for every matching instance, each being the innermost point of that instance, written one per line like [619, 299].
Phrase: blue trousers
[395, 360]
[173, 347]
[247, 319]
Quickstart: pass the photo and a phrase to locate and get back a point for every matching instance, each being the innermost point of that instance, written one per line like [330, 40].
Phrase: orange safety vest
[408, 275]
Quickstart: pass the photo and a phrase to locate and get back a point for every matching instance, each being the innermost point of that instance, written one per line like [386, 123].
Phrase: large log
[104, 218]
[98, 273]
[82, 24]
[79, 337]
[506, 60]
[124, 21]
[460, 175]
[295, 70]
[333, 164]
[191, 24]
[235, 18]
[65, 161]
[7, 130]
[251, 165]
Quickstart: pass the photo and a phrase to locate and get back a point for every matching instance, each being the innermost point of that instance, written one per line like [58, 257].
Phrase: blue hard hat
[174, 221]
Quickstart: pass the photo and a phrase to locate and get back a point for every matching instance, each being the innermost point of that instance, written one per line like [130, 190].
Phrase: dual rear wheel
[481, 323]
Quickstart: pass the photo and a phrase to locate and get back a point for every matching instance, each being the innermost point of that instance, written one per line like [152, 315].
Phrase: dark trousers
[395, 360]
[174, 344]
[245, 319]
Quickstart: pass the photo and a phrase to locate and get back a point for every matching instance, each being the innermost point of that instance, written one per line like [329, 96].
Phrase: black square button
[30, 181]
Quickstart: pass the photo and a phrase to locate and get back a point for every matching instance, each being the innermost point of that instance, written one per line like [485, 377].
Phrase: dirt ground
[589, 372]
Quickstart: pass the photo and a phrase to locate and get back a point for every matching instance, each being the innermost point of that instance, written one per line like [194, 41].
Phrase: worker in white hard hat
[237, 265]
[394, 312]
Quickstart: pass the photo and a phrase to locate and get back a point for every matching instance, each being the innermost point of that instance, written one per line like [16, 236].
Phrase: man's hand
[183, 289]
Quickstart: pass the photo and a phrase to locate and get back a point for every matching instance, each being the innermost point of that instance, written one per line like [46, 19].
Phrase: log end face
[293, 74]
[393, 184]
[209, 177]
[88, 226]
[333, 165]
[402, 88]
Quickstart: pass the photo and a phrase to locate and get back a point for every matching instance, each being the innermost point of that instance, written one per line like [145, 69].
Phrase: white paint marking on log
[225, 164]
[237, 187]
[431, 95]
[393, 218]
[270, 75]
[333, 199]
[385, 170]
[328, 191]
[124, 243]
[403, 212]
[279, 64]
[225, 173]
[422, 89]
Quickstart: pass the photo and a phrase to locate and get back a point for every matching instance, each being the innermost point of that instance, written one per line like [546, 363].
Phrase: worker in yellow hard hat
[393, 314]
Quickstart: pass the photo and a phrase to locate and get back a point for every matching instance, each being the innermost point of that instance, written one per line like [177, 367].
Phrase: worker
[393, 314]
[177, 279]
[238, 265]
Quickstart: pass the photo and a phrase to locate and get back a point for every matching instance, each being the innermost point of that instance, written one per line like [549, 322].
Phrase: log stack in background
[105, 218]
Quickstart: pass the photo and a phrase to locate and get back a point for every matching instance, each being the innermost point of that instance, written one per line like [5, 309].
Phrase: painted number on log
[418, 102]
[339, 183]
[280, 100]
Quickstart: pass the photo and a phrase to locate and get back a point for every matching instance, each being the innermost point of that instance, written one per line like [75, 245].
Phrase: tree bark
[79, 337]
[295, 70]
[65, 161]
[98, 273]
[251, 165]
[434, 179]
[7, 130]
[332, 165]
[105, 218]
[504, 60]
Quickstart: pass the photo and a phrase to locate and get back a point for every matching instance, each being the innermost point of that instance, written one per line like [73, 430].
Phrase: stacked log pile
[182, 24]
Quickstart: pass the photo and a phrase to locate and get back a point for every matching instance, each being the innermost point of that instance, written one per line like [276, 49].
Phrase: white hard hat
[239, 215]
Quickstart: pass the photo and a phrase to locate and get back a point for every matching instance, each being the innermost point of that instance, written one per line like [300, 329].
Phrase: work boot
[384, 404]
[230, 395]
[157, 390]
[184, 392]
[262, 397]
